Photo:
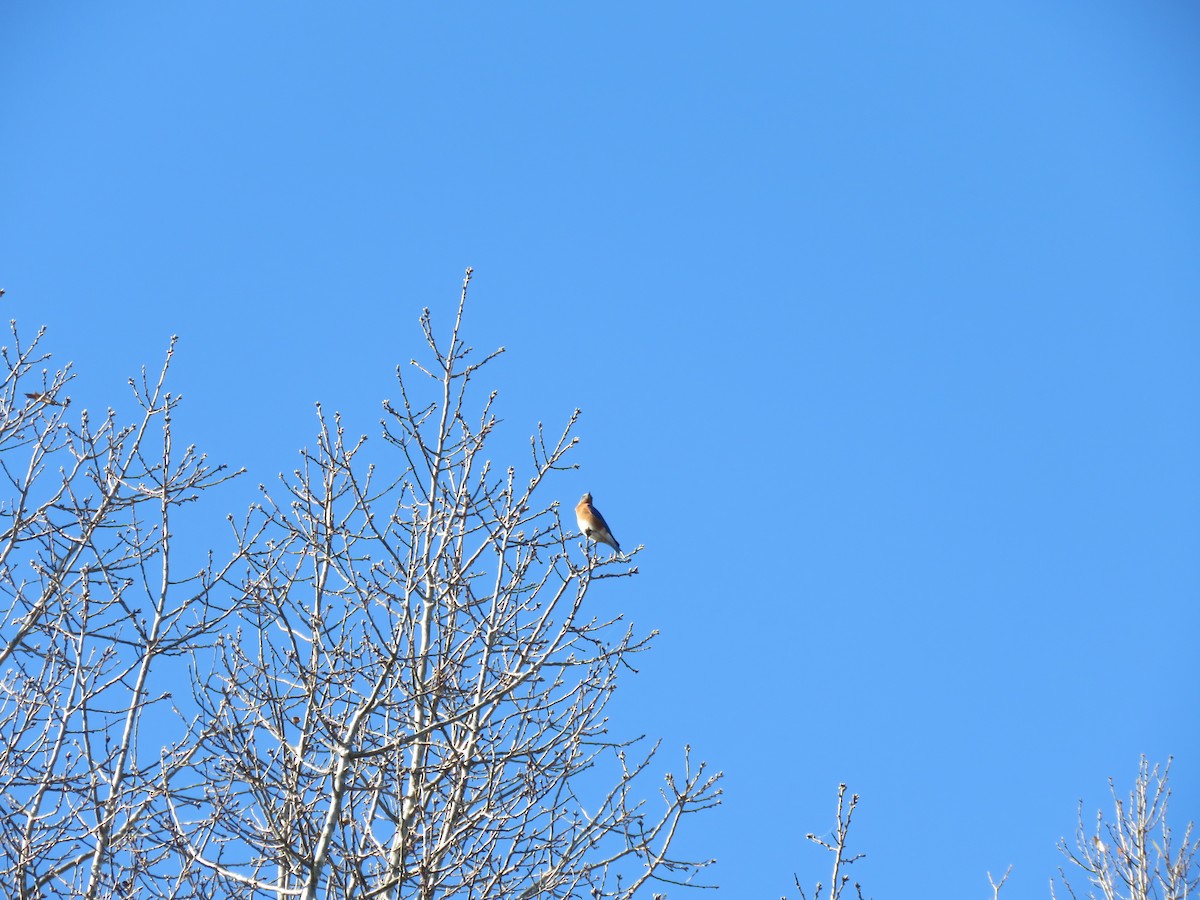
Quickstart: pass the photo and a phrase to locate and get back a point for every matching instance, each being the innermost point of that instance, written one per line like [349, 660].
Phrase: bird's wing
[598, 521]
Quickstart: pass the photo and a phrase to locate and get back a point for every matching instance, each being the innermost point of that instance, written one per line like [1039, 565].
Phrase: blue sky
[883, 318]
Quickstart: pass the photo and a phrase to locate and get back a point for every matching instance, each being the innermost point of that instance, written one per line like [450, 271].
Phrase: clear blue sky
[883, 317]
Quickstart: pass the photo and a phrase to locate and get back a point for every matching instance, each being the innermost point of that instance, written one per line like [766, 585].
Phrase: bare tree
[1135, 856]
[93, 616]
[414, 705]
[399, 673]
[836, 842]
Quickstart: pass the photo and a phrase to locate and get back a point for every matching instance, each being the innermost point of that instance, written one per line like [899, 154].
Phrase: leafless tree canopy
[1137, 855]
[391, 683]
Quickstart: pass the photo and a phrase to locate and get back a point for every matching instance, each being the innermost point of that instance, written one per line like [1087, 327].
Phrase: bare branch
[996, 885]
[837, 844]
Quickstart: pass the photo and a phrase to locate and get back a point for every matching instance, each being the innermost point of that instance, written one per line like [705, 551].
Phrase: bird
[45, 398]
[592, 524]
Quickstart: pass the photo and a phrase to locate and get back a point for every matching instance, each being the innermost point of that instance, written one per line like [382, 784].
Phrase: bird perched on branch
[592, 524]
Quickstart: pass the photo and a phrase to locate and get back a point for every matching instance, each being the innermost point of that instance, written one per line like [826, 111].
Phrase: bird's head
[586, 498]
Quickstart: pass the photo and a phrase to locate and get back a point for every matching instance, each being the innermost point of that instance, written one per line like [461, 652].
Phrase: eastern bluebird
[592, 524]
[44, 398]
